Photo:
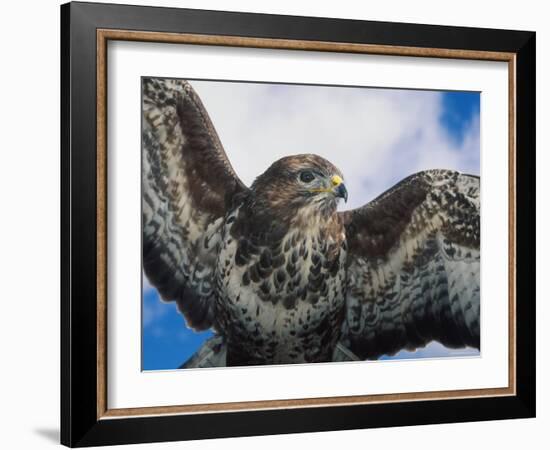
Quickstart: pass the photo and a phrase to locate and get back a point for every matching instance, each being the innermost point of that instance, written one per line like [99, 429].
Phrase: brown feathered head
[299, 181]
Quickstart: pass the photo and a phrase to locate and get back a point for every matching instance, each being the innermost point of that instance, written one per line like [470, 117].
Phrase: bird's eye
[306, 177]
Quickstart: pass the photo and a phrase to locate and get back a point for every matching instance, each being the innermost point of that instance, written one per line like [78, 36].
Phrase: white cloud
[153, 309]
[146, 284]
[152, 312]
[375, 136]
[434, 350]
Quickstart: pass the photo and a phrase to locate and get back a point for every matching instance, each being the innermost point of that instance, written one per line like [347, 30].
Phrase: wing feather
[188, 186]
[413, 266]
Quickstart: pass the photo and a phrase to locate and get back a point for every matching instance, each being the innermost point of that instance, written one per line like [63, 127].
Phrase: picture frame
[86, 29]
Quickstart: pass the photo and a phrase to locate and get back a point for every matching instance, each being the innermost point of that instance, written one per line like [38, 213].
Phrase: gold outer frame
[103, 36]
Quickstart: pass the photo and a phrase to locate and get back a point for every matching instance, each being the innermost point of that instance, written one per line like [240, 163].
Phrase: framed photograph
[277, 224]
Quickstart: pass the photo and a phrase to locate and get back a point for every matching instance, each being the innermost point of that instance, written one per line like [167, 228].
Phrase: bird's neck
[314, 220]
[314, 215]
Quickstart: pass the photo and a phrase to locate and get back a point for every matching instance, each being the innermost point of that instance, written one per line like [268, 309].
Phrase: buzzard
[277, 273]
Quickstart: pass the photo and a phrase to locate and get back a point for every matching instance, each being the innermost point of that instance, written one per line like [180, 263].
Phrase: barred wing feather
[188, 185]
[413, 266]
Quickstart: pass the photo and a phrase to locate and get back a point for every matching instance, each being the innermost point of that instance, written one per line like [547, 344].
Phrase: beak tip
[342, 192]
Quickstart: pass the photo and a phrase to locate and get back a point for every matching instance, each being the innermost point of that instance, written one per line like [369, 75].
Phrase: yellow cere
[336, 180]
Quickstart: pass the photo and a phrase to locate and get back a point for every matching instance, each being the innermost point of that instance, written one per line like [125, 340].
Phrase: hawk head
[301, 181]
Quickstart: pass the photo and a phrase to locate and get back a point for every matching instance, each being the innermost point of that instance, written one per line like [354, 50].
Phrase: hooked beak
[339, 188]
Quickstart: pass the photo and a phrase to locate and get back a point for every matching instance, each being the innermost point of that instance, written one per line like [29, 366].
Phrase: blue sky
[375, 136]
[166, 341]
[458, 110]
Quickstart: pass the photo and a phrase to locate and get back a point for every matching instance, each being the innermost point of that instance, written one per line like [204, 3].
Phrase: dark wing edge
[413, 266]
[188, 185]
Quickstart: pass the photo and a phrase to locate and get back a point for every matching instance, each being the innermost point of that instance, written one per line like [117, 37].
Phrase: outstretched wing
[188, 185]
[413, 266]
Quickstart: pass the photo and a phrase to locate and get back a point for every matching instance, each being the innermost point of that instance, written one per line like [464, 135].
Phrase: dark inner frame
[79, 423]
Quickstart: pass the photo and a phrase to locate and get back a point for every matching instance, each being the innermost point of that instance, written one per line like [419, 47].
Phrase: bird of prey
[277, 272]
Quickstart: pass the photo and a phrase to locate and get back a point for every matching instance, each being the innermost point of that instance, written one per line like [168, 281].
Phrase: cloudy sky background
[376, 137]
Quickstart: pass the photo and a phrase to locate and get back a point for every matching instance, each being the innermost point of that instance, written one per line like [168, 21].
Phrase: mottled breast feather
[413, 266]
[188, 186]
[280, 278]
